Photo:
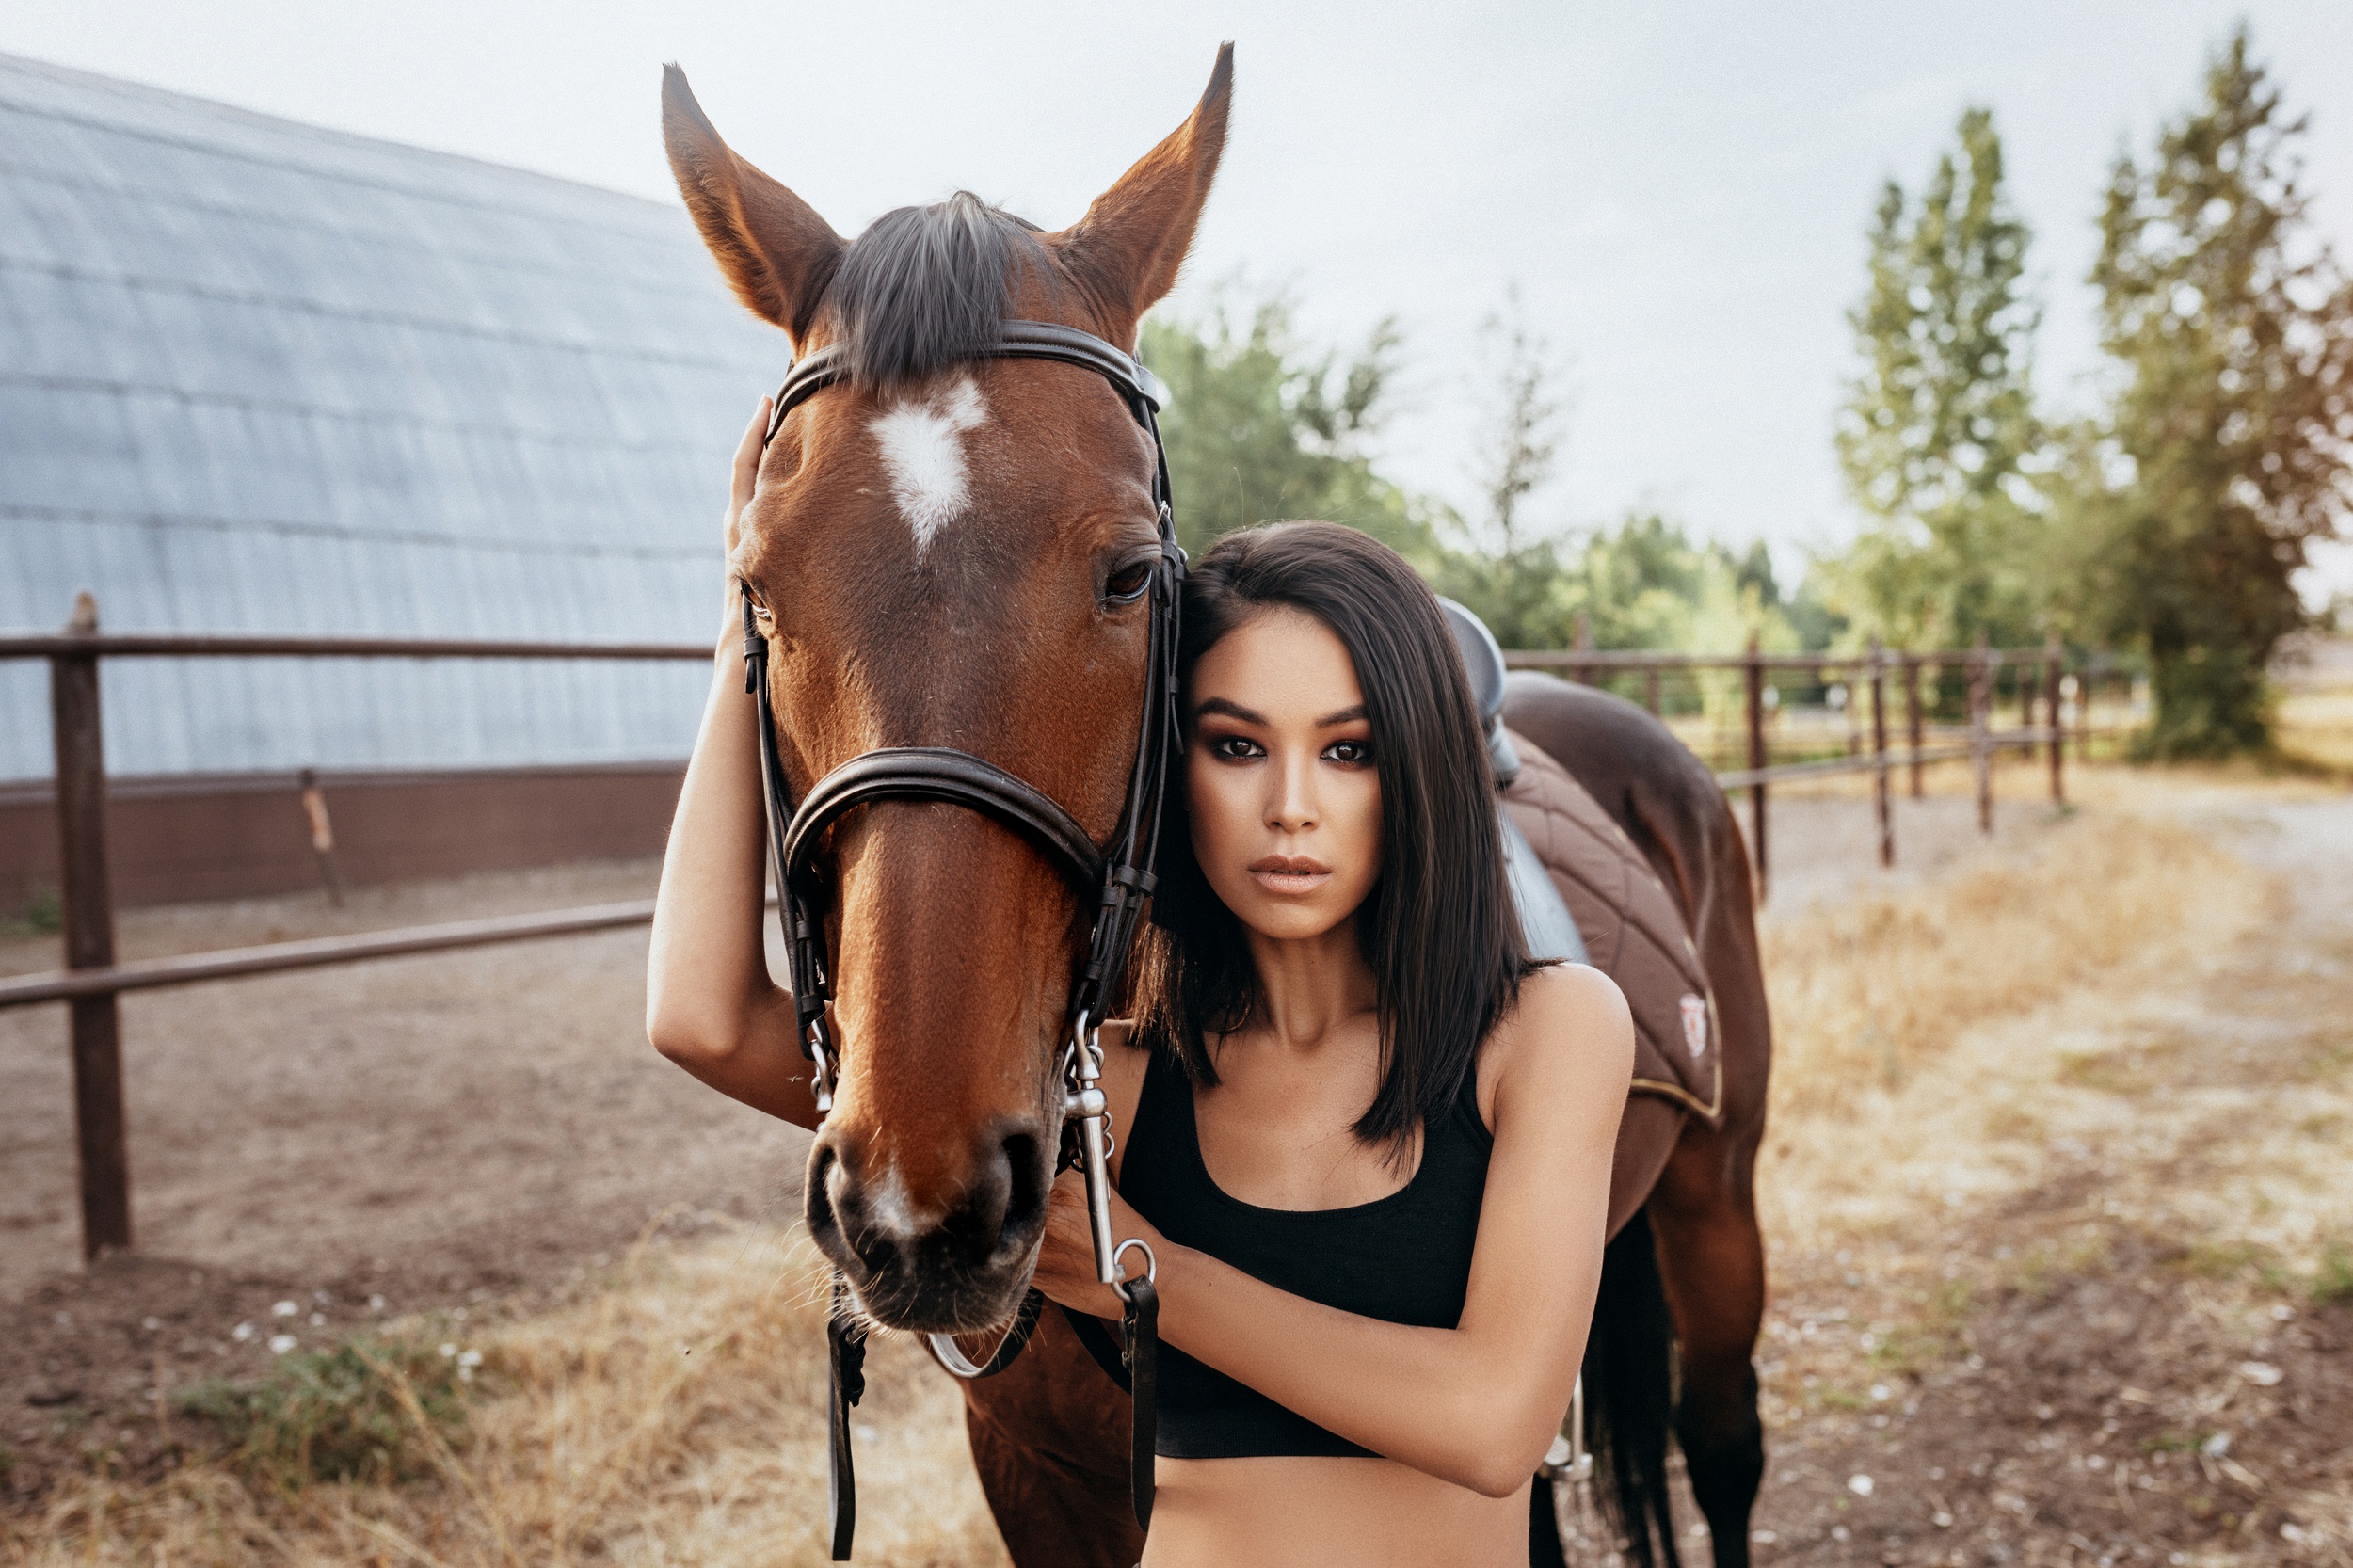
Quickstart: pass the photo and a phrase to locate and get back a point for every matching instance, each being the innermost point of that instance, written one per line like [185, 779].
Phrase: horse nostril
[817, 1191]
[1026, 1182]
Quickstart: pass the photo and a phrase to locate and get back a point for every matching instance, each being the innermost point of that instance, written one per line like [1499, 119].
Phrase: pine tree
[1938, 437]
[2235, 329]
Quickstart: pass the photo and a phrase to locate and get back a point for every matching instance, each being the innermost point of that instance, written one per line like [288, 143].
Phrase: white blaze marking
[886, 1209]
[923, 446]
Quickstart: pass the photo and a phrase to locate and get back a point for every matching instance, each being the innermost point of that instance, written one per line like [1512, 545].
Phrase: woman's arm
[711, 1005]
[1478, 1404]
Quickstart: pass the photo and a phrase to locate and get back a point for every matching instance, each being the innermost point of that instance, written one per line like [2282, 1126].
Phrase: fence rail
[279, 957]
[175, 645]
[93, 981]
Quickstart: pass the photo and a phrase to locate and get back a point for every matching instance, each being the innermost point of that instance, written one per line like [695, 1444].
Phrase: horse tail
[1629, 1397]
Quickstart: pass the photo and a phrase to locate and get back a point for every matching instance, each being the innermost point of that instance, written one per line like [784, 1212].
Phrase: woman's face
[1285, 800]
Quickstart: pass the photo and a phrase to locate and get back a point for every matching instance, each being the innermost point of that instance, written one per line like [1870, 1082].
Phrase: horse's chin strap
[1120, 877]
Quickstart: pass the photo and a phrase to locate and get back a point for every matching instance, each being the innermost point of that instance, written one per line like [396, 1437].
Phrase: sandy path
[448, 1118]
[2101, 1311]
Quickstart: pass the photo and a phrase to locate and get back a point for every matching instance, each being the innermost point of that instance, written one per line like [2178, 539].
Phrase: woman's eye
[1235, 748]
[1128, 584]
[1357, 752]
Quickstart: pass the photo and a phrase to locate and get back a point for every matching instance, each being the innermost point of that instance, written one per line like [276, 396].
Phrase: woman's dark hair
[1438, 927]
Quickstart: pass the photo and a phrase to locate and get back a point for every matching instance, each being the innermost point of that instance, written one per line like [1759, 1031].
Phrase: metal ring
[952, 1358]
[1151, 1264]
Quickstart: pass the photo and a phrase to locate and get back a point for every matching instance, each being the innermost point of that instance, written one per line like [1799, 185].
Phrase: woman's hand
[746, 477]
[1065, 1263]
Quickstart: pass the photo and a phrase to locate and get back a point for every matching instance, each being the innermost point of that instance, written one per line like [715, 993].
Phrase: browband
[1017, 340]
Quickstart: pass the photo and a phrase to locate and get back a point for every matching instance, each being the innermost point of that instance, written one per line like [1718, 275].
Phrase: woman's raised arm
[711, 1005]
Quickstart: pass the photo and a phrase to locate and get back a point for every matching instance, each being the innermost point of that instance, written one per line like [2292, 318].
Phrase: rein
[1119, 875]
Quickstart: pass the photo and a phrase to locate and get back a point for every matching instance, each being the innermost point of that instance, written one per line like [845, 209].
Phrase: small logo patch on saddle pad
[1695, 1025]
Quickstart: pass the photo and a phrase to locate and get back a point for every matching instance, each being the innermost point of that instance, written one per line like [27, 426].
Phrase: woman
[1368, 1142]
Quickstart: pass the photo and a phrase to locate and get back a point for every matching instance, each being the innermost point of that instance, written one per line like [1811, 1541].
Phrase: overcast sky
[1678, 189]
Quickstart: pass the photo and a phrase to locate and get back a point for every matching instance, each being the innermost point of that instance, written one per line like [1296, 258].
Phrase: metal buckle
[1084, 1103]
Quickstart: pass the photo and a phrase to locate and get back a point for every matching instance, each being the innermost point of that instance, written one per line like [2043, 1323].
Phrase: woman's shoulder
[1570, 1029]
[1565, 993]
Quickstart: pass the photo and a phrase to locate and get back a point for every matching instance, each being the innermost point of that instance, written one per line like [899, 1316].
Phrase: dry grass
[1868, 992]
[2315, 726]
[674, 1416]
[1871, 1109]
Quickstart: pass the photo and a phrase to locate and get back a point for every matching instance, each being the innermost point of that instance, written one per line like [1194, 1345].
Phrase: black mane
[925, 287]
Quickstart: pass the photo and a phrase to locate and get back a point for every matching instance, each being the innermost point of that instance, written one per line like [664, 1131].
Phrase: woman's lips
[1290, 873]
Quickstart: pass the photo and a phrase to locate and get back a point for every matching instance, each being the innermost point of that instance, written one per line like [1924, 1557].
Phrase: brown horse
[945, 550]
[1695, 1187]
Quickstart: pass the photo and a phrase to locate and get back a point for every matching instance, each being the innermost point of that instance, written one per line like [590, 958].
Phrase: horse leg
[1647, 1134]
[1049, 1441]
[1711, 1253]
[1712, 1262]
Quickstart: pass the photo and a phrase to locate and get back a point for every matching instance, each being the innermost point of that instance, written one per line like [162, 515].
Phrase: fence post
[1879, 754]
[1756, 761]
[102, 1148]
[1650, 689]
[2053, 657]
[1583, 636]
[1911, 719]
[1981, 667]
[2085, 683]
[322, 833]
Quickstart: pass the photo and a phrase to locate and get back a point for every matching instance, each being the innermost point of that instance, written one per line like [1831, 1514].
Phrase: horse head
[950, 551]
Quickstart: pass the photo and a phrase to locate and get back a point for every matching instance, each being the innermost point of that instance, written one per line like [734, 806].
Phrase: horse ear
[775, 252]
[1127, 248]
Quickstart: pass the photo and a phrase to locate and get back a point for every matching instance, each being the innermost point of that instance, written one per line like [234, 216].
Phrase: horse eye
[1128, 584]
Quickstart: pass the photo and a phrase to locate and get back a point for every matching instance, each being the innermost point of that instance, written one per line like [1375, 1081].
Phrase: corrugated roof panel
[260, 376]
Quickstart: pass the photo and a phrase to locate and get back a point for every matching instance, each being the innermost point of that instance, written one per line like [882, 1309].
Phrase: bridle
[1119, 876]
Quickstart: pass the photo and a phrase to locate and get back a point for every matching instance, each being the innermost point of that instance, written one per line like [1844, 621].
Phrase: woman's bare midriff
[1300, 1513]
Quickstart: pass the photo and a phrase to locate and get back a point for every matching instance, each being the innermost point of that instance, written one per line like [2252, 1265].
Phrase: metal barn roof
[260, 376]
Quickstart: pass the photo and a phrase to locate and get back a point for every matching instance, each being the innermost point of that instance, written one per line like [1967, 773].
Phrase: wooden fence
[93, 979]
[2041, 679]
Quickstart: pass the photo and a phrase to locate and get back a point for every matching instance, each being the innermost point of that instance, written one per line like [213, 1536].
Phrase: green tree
[1938, 435]
[2228, 442]
[1259, 427]
[1646, 583]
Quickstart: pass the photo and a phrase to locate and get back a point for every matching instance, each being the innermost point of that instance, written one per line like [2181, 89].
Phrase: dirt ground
[2074, 1316]
[2103, 1312]
[463, 1131]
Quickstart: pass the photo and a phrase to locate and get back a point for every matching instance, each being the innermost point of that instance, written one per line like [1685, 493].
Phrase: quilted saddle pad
[1633, 930]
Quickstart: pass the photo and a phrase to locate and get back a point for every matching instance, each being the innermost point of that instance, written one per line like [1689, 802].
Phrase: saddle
[1585, 892]
[1631, 930]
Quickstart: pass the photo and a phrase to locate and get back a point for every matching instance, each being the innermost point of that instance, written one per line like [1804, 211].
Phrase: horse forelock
[925, 287]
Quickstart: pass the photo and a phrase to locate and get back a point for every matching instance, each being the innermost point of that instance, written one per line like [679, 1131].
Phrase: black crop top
[1404, 1258]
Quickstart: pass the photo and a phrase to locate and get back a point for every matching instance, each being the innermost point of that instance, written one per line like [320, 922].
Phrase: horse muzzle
[949, 1254]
